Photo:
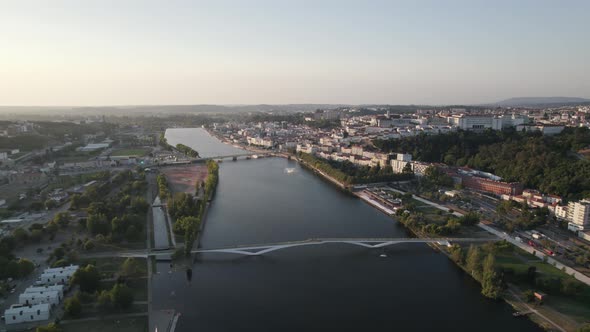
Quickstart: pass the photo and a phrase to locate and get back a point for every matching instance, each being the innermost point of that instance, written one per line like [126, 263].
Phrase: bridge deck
[253, 250]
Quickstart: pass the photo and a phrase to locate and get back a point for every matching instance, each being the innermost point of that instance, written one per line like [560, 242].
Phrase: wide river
[316, 288]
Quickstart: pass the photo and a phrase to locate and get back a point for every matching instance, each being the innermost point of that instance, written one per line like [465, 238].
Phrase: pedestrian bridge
[257, 250]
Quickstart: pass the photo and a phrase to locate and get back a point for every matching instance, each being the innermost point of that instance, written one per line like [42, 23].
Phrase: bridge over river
[261, 249]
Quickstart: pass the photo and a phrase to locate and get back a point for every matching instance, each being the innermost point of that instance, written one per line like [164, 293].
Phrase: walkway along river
[407, 287]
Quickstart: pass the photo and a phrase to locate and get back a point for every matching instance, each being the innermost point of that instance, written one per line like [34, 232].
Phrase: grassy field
[128, 324]
[109, 267]
[139, 152]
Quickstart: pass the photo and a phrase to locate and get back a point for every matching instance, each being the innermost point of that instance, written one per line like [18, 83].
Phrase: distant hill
[542, 101]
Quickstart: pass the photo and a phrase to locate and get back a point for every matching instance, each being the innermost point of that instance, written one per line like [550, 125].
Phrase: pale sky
[126, 52]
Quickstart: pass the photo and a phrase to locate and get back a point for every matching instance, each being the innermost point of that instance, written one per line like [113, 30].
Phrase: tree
[490, 286]
[25, 267]
[121, 296]
[98, 224]
[118, 225]
[58, 253]
[470, 219]
[456, 254]
[132, 234]
[20, 235]
[62, 219]
[104, 302]
[186, 224]
[139, 205]
[51, 229]
[408, 169]
[75, 202]
[503, 207]
[73, 307]
[89, 245]
[88, 278]
[473, 262]
[131, 267]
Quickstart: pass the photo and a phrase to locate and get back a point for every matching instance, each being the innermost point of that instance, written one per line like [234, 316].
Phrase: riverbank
[323, 174]
[559, 312]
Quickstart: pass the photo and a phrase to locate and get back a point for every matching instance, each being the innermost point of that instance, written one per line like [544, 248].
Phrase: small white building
[18, 313]
[55, 277]
[50, 297]
[57, 288]
[65, 268]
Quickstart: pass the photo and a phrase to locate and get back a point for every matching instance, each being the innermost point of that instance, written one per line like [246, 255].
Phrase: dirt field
[184, 178]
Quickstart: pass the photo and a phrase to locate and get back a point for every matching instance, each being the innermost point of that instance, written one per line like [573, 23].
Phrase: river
[331, 287]
[199, 139]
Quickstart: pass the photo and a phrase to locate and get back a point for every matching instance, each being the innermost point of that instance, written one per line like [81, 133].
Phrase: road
[161, 238]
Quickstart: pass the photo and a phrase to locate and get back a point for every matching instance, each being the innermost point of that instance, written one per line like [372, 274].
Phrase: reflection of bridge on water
[256, 250]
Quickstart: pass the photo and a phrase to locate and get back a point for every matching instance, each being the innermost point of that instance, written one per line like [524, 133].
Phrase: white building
[57, 288]
[561, 211]
[578, 213]
[545, 129]
[18, 313]
[512, 121]
[53, 277]
[400, 162]
[475, 122]
[49, 297]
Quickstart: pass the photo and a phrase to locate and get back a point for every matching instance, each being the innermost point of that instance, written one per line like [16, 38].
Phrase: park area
[183, 179]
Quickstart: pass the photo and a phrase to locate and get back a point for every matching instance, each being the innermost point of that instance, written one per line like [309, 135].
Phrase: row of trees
[481, 267]
[348, 173]
[164, 142]
[212, 179]
[163, 191]
[480, 262]
[537, 161]
[187, 150]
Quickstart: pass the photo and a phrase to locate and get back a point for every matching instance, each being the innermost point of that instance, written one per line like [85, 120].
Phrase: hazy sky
[124, 52]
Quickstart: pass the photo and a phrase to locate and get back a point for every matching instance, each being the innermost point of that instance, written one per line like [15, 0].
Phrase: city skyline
[142, 53]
